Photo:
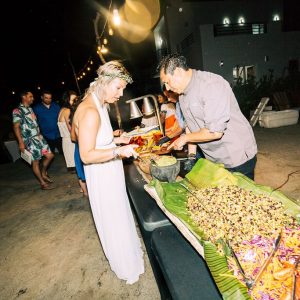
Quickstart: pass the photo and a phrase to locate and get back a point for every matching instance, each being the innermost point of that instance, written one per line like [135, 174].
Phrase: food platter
[148, 143]
[265, 214]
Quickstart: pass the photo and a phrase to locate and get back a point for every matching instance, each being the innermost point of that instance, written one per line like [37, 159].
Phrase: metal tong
[248, 281]
[267, 261]
[295, 279]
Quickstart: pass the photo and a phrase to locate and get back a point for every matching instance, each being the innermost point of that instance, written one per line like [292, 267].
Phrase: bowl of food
[145, 161]
[165, 168]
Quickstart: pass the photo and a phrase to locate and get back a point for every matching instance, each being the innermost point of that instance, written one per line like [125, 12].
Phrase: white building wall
[245, 50]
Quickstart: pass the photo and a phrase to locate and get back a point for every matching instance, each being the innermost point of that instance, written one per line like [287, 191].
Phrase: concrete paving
[49, 248]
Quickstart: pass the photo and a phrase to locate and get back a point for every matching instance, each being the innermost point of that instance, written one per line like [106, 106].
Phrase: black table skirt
[180, 272]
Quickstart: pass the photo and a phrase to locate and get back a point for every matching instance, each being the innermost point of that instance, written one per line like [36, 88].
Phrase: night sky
[41, 38]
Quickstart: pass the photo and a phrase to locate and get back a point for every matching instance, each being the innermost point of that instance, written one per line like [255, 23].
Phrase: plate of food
[148, 143]
[140, 131]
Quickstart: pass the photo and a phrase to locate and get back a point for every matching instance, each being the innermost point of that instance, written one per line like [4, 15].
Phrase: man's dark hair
[172, 61]
[24, 93]
[46, 92]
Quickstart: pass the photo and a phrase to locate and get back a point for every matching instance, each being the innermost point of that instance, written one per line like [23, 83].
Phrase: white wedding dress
[111, 209]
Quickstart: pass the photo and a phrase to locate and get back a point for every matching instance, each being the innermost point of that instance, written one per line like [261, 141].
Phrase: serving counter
[179, 270]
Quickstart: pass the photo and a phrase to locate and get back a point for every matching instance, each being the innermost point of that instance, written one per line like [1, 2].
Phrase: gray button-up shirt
[208, 102]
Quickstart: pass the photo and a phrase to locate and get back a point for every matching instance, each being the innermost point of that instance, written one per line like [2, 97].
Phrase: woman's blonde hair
[106, 73]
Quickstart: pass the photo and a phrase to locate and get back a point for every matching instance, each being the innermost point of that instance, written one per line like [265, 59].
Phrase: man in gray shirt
[212, 115]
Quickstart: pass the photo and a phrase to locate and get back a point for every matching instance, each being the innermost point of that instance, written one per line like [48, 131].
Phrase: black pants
[57, 143]
[247, 168]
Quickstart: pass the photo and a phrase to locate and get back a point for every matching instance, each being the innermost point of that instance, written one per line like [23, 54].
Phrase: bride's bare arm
[88, 125]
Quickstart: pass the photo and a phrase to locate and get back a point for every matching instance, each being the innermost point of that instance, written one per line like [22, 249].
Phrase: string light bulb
[104, 49]
[116, 17]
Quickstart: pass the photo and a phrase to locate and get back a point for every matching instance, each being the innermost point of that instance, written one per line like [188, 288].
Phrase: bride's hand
[122, 140]
[128, 151]
[118, 132]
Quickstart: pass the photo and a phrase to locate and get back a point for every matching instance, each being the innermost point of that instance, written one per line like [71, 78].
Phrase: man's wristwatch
[191, 156]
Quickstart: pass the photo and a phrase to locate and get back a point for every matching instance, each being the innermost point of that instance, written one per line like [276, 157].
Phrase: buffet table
[179, 270]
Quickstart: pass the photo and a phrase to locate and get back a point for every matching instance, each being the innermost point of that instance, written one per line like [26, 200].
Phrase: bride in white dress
[105, 175]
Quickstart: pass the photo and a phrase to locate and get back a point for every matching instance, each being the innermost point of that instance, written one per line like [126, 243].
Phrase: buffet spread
[248, 234]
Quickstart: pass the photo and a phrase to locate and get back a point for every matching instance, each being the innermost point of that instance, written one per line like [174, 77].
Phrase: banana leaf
[207, 174]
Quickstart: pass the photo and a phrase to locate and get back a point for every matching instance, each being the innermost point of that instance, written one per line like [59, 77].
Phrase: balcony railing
[244, 28]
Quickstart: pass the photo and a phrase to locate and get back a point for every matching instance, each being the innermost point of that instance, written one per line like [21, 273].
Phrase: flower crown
[125, 77]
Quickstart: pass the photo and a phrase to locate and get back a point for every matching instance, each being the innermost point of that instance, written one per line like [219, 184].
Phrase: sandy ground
[279, 159]
[49, 247]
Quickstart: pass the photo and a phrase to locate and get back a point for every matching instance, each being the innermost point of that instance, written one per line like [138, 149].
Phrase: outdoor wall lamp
[148, 108]
[226, 21]
[241, 21]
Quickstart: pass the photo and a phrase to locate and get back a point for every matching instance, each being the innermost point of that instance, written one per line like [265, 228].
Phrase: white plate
[140, 131]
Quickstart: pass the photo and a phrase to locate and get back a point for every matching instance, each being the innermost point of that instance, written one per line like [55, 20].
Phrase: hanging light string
[106, 20]
[86, 67]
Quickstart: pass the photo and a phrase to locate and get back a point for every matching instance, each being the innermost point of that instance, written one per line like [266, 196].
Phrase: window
[258, 28]
[243, 73]
[239, 28]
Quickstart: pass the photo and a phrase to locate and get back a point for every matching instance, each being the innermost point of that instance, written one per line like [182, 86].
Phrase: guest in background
[47, 115]
[64, 125]
[173, 98]
[29, 137]
[173, 122]
[148, 121]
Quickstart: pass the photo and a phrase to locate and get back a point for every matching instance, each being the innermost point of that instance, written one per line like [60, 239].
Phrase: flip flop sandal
[47, 187]
[47, 179]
